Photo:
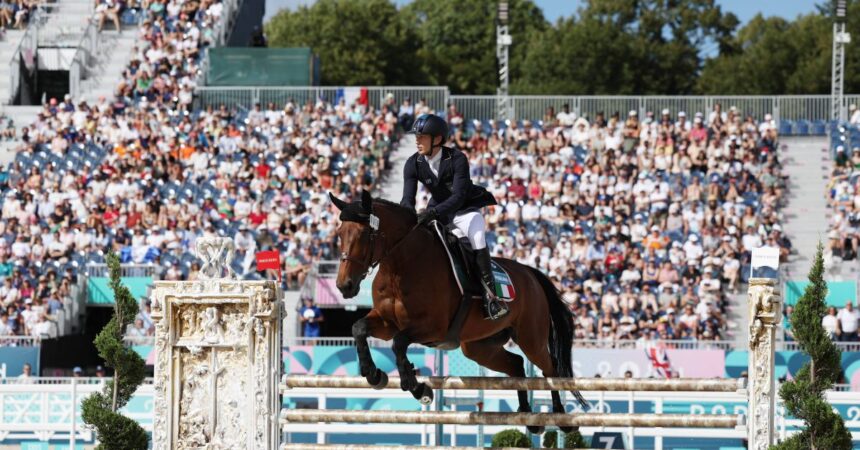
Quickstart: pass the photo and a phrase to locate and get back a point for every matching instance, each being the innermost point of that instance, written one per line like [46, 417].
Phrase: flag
[363, 97]
[269, 259]
[659, 361]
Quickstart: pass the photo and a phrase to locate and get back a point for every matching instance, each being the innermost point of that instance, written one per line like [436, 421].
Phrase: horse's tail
[561, 331]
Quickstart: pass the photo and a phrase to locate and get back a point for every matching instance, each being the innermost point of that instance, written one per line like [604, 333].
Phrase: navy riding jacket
[451, 192]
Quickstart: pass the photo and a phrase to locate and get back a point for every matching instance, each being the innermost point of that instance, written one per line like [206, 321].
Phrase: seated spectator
[109, 9]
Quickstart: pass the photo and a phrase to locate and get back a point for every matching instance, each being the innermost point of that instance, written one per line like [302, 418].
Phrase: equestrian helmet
[430, 124]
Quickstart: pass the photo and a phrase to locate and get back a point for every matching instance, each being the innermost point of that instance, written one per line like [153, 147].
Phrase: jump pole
[528, 384]
[513, 418]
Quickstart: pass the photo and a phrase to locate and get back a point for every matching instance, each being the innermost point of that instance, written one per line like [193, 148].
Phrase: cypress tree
[115, 431]
[804, 396]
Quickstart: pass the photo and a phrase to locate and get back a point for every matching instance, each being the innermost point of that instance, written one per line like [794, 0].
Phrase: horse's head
[357, 234]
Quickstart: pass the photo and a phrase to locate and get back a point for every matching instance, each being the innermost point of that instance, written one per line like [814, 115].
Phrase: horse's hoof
[535, 429]
[379, 381]
[566, 430]
[423, 394]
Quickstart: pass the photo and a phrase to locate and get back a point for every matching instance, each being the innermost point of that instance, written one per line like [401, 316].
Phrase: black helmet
[432, 125]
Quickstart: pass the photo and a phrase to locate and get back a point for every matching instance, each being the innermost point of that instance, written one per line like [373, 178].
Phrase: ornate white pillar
[765, 314]
[218, 358]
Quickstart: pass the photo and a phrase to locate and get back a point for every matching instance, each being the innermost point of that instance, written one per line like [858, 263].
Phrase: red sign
[270, 259]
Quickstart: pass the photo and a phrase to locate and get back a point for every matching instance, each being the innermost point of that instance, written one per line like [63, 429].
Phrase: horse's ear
[338, 203]
[366, 201]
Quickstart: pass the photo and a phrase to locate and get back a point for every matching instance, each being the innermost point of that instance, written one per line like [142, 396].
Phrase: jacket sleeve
[460, 188]
[410, 184]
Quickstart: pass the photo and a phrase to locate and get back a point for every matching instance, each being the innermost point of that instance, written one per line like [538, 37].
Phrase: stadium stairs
[807, 164]
[9, 41]
[65, 23]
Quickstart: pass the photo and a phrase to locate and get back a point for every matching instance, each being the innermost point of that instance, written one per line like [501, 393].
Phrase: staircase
[8, 46]
[65, 23]
[112, 57]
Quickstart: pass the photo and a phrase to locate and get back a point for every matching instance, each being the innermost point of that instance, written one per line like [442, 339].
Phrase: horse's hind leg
[541, 357]
[370, 325]
[408, 381]
[491, 354]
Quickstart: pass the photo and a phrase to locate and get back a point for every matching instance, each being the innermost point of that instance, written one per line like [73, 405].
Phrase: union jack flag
[659, 361]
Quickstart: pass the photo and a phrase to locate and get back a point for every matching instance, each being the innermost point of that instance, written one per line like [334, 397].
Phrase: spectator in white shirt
[43, 327]
[855, 114]
[831, 323]
[848, 320]
[751, 240]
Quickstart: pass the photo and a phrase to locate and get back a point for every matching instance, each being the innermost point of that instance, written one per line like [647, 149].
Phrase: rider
[444, 171]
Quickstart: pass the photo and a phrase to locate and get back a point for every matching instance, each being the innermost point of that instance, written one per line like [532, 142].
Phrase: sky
[553, 9]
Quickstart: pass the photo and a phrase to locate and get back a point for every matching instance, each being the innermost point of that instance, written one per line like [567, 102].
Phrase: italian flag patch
[504, 286]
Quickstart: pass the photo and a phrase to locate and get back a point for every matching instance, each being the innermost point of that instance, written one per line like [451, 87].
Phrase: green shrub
[571, 440]
[511, 438]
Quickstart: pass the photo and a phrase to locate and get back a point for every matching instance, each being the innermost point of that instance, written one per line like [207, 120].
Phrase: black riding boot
[493, 307]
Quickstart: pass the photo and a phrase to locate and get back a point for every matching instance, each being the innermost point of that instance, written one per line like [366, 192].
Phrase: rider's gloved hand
[426, 216]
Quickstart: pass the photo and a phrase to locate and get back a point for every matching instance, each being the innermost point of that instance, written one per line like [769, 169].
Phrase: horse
[415, 297]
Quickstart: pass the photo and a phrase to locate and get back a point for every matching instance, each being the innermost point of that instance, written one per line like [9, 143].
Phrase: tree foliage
[637, 47]
[804, 396]
[115, 431]
[358, 41]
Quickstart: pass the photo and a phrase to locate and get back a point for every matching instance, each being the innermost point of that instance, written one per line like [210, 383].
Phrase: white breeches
[472, 225]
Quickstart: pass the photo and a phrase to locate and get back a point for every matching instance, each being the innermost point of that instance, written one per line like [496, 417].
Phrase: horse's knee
[359, 329]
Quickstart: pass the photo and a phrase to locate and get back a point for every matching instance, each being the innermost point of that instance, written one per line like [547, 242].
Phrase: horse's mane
[396, 206]
[355, 212]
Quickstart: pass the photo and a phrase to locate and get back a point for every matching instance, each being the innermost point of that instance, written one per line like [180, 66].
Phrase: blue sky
[553, 9]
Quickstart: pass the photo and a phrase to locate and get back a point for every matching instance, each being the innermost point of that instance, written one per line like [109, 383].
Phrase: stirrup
[491, 303]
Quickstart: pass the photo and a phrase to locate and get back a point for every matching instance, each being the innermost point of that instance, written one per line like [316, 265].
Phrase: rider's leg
[472, 225]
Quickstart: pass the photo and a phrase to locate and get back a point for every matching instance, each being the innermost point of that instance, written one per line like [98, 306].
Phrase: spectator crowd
[145, 174]
[645, 224]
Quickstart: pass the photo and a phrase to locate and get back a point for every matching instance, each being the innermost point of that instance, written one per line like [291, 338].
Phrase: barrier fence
[241, 97]
[532, 107]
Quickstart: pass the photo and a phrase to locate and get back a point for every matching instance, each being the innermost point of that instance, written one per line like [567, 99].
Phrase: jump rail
[513, 418]
[528, 384]
[388, 447]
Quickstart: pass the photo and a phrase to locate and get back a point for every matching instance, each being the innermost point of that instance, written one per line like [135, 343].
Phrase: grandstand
[642, 210]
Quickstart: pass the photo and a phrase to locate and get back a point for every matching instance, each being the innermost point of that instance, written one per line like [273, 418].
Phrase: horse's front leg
[408, 380]
[370, 325]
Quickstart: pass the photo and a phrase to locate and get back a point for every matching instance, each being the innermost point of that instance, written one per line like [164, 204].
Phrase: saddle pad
[504, 287]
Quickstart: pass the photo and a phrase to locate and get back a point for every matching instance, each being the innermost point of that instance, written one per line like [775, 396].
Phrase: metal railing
[20, 341]
[533, 107]
[126, 270]
[24, 54]
[436, 97]
[84, 57]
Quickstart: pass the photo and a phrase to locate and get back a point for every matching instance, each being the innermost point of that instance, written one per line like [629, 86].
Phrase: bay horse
[415, 297]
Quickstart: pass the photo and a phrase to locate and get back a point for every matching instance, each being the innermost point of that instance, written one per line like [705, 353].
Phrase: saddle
[462, 260]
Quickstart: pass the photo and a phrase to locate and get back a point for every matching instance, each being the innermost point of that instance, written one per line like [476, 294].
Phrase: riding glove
[427, 216]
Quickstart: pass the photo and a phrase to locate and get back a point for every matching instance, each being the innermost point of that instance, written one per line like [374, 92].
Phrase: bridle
[373, 227]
